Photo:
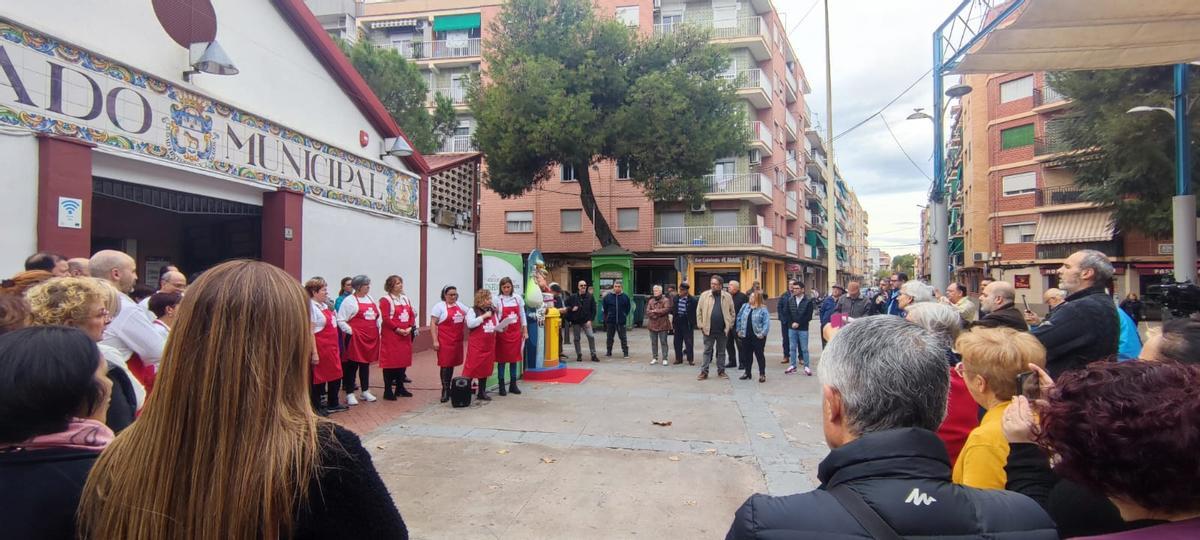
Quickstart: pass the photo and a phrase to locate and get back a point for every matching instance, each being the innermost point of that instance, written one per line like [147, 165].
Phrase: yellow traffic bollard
[553, 323]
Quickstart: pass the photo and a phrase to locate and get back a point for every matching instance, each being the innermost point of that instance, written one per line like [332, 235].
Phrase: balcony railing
[1052, 196]
[1115, 248]
[793, 246]
[792, 124]
[1046, 95]
[442, 48]
[762, 134]
[738, 183]
[793, 164]
[791, 80]
[793, 205]
[749, 78]
[714, 235]
[457, 143]
[720, 28]
[457, 94]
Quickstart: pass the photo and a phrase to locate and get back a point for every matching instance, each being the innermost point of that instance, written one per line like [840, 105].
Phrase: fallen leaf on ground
[766, 435]
[548, 460]
[674, 458]
[502, 451]
[711, 450]
[690, 503]
[493, 487]
[661, 422]
[380, 447]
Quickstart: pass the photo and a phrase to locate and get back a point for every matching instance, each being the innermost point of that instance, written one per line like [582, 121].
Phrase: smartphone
[1023, 301]
[1029, 385]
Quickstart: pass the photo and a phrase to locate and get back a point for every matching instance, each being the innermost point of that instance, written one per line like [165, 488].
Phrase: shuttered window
[1018, 89]
[1016, 137]
[1017, 184]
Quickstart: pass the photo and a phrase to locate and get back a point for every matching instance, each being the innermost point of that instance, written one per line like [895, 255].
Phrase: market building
[194, 132]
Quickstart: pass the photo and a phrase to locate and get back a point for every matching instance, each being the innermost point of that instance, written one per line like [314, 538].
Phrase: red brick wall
[1014, 251]
[1001, 110]
[1000, 203]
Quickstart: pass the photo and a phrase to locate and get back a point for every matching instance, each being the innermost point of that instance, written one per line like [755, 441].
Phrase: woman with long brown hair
[509, 343]
[228, 446]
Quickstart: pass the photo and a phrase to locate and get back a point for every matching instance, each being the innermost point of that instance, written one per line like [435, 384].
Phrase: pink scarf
[81, 434]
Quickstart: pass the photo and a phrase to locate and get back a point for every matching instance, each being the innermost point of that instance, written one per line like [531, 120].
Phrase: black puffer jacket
[904, 475]
[1081, 331]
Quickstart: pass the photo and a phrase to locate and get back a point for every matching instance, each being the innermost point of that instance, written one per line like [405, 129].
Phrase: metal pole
[831, 186]
[939, 255]
[1184, 203]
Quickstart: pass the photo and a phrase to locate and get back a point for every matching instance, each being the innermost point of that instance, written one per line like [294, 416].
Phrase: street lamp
[919, 114]
[1143, 108]
[939, 261]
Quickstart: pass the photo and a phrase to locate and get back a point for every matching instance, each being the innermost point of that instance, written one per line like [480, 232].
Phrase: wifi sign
[70, 213]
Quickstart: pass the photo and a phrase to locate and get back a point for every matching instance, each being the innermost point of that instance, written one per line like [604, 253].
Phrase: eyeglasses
[104, 314]
[961, 369]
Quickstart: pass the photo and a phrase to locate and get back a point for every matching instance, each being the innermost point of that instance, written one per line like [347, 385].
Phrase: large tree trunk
[603, 232]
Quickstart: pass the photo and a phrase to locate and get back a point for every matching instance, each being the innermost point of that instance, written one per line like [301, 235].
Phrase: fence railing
[793, 205]
[738, 183]
[457, 143]
[1045, 95]
[792, 124]
[719, 28]
[442, 48]
[713, 235]
[1059, 195]
[457, 94]
[793, 247]
[1062, 251]
[762, 133]
[749, 78]
[792, 83]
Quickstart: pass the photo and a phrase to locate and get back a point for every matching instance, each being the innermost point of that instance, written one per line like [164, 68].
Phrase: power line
[889, 104]
[802, 17]
[902, 150]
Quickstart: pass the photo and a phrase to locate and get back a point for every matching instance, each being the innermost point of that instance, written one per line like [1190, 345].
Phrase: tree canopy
[564, 86]
[904, 263]
[1132, 166]
[402, 89]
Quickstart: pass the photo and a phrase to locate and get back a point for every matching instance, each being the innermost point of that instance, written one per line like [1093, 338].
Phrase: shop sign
[793, 267]
[717, 260]
[51, 87]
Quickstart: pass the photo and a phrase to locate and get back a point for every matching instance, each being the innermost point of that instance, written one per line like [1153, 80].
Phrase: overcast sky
[879, 48]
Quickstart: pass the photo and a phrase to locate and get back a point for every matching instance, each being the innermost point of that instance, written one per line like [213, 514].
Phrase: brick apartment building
[764, 215]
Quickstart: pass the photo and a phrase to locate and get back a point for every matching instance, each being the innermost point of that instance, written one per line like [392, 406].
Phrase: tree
[1131, 163]
[904, 263]
[565, 87]
[402, 89]
[882, 273]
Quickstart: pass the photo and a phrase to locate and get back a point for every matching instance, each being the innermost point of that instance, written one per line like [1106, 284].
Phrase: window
[670, 219]
[518, 222]
[1018, 89]
[628, 15]
[572, 220]
[725, 218]
[1018, 233]
[566, 173]
[627, 219]
[624, 169]
[1016, 184]
[669, 22]
[1016, 137]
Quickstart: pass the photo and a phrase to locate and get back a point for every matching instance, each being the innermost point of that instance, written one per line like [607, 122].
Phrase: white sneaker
[653, 361]
[367, 396]
[351, 400]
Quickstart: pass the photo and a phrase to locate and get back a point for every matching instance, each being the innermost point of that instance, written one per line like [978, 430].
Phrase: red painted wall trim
[423, 193]
[64, 170]
[322, 46]
[282, 209]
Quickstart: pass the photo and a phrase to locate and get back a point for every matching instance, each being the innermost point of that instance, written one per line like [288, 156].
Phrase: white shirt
[316, 316]
[162, 329]
[350, 308]
[132, 332]
[474, 322]
[397, 301]
[509, 301]
[114, 357]
[439, 310]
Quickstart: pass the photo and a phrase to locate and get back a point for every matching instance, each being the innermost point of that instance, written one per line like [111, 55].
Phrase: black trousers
[393, 379]
[752, 349]
[787, 344]
[732, 346]
[327, 389]
[685, 341]
[364, 376]
[616, 329]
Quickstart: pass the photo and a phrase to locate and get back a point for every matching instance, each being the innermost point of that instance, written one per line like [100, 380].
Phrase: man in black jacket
[1086, 327]
[998, 304]
[616, 308]
[581, 310]
[731, 342]
[884, 387]
[683, 320]
[784, 324]
[798, 312]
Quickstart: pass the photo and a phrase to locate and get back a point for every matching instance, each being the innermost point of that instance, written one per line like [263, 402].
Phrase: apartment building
[1015, 210]
[763, 216]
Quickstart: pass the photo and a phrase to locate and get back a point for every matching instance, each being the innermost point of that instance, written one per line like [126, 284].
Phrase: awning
[1046, 35]
[1075, 227]
[465, 21]
[956, 245]
[813, 238]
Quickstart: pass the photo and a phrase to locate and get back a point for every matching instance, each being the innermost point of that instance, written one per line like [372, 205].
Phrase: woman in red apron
[326, 360]
[359, 317]
[396, 339]
[510, 342]
[448, 319]
[481, 342]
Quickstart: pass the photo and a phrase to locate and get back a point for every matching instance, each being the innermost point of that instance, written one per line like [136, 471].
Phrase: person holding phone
[991, 360]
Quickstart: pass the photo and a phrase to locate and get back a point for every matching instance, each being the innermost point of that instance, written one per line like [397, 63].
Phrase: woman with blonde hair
[89, 305]
[229, 447]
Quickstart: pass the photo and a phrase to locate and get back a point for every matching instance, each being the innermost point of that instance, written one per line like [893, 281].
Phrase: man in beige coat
[714, 314]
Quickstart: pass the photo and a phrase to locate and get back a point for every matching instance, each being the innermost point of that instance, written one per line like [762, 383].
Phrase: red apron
[481, 350]
[508, 342]
[143, 372]
[450, 337]
[395, 350]
[329, 366]
[364, 342]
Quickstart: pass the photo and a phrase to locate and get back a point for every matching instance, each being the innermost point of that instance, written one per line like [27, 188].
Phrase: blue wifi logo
[70, 206]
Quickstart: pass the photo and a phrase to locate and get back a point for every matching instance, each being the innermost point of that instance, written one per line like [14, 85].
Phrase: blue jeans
[798, 344]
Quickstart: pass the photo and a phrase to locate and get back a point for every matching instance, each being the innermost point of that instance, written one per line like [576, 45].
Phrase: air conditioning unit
[699, 208]
[460, 220]
[444, 217]
[755, 157]
[979, 257]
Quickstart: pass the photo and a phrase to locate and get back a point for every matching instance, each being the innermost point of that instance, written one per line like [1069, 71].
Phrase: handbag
[863, 513]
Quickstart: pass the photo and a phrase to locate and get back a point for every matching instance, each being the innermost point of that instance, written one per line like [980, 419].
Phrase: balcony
[792, 164]
[793, 247]
[816, 190]
[817, 167]
[761, 138]
[793, 207]
[457, 143]
[792, 86]
[1047, 96]
[750, 32]
[793, 127]
[445, 53]
[1054, 196]
[753, 187]
[816, 222]
[457, 95]
[753, 85]
[713, 237]
[1115, 248]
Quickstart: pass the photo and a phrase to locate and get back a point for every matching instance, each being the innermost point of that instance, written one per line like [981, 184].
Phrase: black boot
[483, 395]
[446, 372]
[512, 387]
[389, 376]
[400, 380]
[500, 375]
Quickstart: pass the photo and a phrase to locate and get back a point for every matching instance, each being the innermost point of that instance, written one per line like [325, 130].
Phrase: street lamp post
[939, 219]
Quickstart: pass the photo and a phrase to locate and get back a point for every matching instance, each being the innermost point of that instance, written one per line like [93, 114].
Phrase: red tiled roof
[322, 46]
[438, 162]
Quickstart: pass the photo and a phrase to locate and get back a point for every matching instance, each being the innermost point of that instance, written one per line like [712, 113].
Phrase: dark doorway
[193, 232]
[646, 277]
[577, 275]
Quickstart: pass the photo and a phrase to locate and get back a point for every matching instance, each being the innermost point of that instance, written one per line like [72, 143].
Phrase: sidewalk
[426, 388]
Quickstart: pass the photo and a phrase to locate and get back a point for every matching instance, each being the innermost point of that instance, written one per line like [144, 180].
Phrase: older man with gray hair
[1085, 328]
[884, 387]
[998, 304]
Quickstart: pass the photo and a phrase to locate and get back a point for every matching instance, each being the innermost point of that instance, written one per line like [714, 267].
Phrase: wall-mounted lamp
[208, 57]
[396, 147]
